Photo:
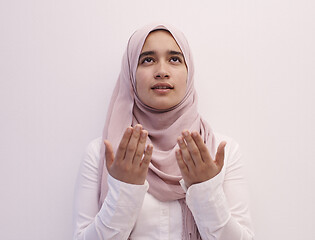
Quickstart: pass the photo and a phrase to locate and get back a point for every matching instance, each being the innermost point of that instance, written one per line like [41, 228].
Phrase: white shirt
[219, 205]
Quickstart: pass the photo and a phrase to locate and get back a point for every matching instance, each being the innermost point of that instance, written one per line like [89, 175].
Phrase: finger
[185, 153]
[140, 149]
[147, 156]
[204, 152]
[133, 143]
[181, 163]
[192, 148]
[109, 154]
[121, 151]
[219, 157]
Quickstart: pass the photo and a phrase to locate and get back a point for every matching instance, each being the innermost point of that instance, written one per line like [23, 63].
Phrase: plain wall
[255, 72]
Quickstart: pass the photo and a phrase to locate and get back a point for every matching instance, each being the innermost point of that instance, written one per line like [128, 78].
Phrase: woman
[159, 171]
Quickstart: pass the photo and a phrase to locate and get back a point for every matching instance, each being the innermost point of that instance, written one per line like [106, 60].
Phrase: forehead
[160, 40]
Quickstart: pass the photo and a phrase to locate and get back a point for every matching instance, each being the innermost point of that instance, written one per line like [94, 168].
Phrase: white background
[255, 72]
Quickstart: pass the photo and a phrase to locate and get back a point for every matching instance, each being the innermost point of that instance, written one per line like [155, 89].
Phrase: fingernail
[137, 128]
[195, 134]
[129, 130]
[180, 140]
[186, 133]
[143, 134]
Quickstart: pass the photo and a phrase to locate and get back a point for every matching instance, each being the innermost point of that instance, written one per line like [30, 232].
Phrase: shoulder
[231, 144]
[232, 149]
[94, 145]
[92, 152]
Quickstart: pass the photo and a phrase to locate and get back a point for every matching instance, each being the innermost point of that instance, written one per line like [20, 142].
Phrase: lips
[162, 86]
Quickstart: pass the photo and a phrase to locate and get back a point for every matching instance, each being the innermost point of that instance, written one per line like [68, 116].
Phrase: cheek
[138, 79]
[183, 81]
[141, 82]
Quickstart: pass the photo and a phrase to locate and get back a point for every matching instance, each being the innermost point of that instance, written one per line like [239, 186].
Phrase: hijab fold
[164, 126]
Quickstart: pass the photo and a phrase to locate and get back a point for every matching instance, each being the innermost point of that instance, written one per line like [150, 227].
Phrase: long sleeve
[118, 214]
[220, 205]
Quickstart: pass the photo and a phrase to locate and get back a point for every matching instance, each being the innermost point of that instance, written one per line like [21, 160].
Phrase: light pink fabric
[163, 126]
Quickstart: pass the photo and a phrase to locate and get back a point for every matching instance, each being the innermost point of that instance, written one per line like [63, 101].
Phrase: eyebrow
[171, 52]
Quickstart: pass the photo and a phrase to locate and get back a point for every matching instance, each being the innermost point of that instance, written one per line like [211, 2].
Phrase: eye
[147, 60]
[175, 59]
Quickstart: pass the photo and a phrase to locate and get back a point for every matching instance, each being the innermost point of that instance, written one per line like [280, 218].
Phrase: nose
[161, 71]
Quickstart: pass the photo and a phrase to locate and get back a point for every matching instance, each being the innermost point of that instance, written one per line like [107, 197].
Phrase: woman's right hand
[130, 165]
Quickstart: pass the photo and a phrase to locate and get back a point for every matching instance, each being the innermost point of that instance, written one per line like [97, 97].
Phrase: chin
[162, 106]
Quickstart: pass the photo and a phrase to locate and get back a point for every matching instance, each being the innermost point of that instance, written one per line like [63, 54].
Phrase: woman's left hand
[194, 160]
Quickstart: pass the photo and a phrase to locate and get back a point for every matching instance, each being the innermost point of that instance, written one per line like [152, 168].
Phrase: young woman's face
[161, 74]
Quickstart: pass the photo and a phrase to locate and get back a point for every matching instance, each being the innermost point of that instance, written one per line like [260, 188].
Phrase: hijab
[163, 126]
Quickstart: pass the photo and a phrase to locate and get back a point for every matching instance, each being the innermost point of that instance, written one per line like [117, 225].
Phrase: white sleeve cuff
[183, 185]
[122, 203]
[125, 194]
[208, 203]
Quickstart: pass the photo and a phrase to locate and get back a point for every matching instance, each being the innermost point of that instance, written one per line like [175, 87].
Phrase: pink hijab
[164, 126]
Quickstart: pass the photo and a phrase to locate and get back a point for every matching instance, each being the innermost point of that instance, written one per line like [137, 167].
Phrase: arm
[220, 204]
[117, 216]
[119, 211]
